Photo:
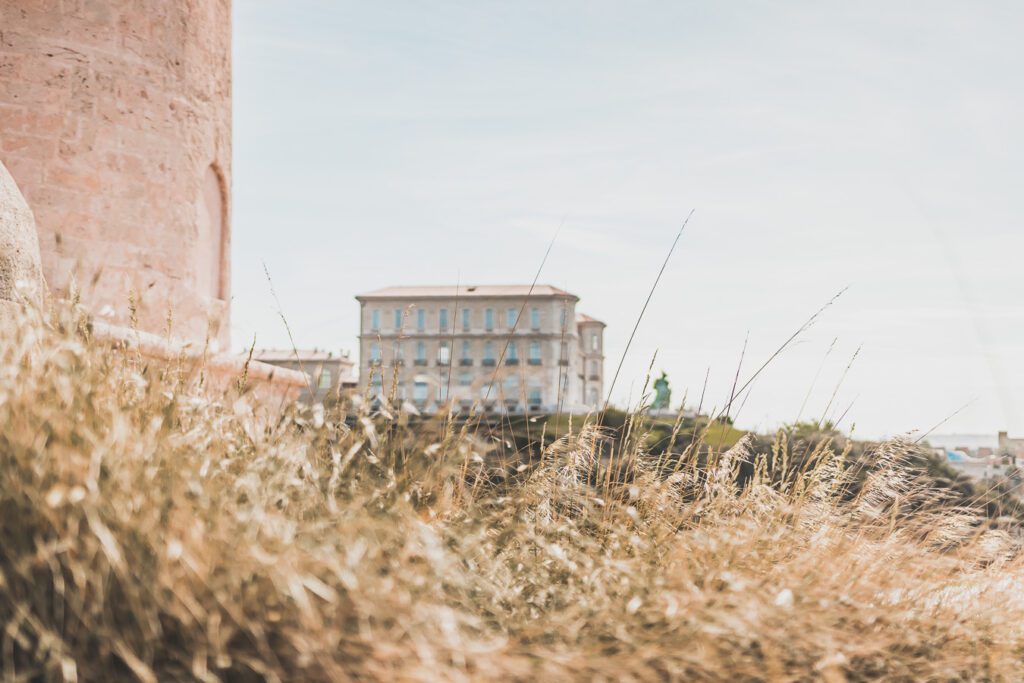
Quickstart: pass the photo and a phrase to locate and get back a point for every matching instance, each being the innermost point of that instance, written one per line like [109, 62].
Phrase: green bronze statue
[662, 393]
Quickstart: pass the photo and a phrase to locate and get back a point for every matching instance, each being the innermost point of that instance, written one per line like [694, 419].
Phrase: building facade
[329, 373]
[1011, 447]
[501, 348]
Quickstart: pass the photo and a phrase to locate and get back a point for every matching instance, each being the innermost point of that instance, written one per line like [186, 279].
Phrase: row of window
[466, 315]
[509, 390]
[444, 353]
[465, 379]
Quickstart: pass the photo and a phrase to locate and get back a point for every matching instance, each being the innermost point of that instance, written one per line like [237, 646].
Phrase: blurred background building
[508, 348]
[330, 373]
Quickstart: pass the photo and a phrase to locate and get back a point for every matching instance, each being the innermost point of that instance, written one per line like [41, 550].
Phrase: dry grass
[147, 533]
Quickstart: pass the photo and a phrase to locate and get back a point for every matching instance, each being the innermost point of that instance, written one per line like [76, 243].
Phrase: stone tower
[115, 122]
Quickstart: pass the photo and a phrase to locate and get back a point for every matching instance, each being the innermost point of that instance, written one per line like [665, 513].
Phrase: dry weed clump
[147, 533]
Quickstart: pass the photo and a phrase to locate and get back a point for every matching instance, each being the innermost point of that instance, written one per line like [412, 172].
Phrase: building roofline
[584, 319]
[299, 355]
[451, 292]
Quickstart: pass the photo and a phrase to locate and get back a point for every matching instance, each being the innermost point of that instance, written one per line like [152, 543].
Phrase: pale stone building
[328, 373]
[499, 347]
[1011, 447]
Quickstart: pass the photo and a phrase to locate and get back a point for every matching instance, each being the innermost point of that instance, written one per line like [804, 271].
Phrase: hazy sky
[877, 146]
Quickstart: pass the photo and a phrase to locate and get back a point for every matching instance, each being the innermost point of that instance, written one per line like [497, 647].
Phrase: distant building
[983, 461]
[1011, 447]
[977, 467]
[328, 372]
[505, 348]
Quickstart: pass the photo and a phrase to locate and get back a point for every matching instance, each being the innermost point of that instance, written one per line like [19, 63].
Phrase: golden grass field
[150, 533]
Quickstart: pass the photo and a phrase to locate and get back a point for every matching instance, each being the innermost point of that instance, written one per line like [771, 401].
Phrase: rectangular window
[419, 392]
[398, 319]
[442, 388]
[465, 320]
[465, 379]
[563, 357]
[511, 390]
[444, 354]
[489, 353]
[561, 319]
[512, 356]
[467, 355]
[374, 352]
[421, 353]
[510, 318]
[375, 319]
[421, 319]
[593, 342]
[399, 352]
[535, 395]
[535, 318]
[442, 319]
[325, 380]
[489, 319]
[535, 353]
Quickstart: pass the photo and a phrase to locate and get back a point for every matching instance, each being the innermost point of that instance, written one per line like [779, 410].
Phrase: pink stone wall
[115, 121]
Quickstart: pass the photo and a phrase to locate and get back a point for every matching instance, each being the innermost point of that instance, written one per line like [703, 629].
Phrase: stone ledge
[269, 382]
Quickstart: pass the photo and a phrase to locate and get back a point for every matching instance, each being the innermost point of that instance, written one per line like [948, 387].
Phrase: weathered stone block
[20, 274]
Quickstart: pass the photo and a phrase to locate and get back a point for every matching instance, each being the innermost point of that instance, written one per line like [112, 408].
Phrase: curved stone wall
[20, 275]
[115, 121]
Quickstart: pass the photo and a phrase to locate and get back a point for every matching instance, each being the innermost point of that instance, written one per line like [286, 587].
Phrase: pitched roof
[465, 291]
[583, 318]
[293, 355]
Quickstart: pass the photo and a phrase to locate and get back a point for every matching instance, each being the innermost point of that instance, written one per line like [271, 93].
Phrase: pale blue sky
[872, 145]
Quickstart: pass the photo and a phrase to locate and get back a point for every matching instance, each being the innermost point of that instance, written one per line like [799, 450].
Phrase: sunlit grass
[150, 533]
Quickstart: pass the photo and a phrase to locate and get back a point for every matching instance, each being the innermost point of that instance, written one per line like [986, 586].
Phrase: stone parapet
[265, 382]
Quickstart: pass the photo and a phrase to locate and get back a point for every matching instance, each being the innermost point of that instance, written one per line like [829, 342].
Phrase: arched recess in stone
[212, 238]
